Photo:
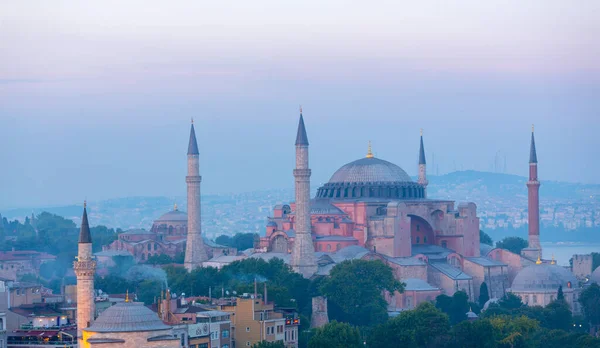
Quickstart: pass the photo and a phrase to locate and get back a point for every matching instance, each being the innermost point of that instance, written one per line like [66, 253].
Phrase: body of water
[563, 252]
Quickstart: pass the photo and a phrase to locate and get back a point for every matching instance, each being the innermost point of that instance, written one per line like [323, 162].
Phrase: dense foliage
[336, 335]
[265, 344]
[590, 302]
[512, 244]
[504, 325]
[484, 295]
[485, 238]
[240, 241]
[355, 288]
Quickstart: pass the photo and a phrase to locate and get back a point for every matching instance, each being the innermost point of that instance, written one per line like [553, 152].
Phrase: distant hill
[246, 212]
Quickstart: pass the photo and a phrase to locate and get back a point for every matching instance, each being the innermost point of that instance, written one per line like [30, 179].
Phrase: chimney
[265, 295]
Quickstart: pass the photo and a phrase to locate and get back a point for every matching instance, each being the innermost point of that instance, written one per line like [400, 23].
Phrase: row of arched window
[371, 191]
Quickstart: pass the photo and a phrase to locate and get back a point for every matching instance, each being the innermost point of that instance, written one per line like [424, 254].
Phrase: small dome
[127, 317]
[544, 277]
[173, 215]
[367, 170]
[595, 277]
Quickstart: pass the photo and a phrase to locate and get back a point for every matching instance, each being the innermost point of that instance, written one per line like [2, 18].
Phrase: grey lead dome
[370, 170]
[127, 317]
[543, 277]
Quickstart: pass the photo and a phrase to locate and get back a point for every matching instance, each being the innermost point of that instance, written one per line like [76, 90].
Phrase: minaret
[85, 268]
[303, 252]
[423, 166]
[533, 188]
[195, 253]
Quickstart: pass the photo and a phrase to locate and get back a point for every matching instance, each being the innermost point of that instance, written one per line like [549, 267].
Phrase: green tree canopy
[484, 295]
[456, 306]
[485, 238]
[240, 241]
[512, 244]
[355, 291]
[476, 334]
[265, 344]
[425, 326]
[590, 303]
[336, 335]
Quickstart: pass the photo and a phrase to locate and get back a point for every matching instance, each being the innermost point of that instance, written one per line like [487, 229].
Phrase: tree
[355, 291]
[265, 344]
[456, 306]
[477, 334]
[512, 244]
[484, 295]
[510, 301]
[560, 295]
[161, 259]
[590, 303]
[485, 238]
[558, 315]
[336, 335]
[425, 326]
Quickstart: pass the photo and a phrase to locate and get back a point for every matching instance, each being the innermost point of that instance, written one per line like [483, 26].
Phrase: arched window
[424, 239]
[444, 244]
[338, 246]
[328, 247]
[418, 227]
[418, 240]
[149, 246]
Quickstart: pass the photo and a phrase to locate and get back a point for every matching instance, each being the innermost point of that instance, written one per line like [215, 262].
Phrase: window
[248, 343]
[155, 247]
[534, 300]
[262, 316]
[280, 329]
[214, 335]
[203, 345]
[225, 346]
[225, 333]
[418, 239]
[149, 247]
[424, 239]
[418, 227]
[444, 244]
[247, 329]
[328, 247]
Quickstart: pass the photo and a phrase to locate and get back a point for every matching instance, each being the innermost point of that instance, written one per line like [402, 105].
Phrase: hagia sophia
[370, 209]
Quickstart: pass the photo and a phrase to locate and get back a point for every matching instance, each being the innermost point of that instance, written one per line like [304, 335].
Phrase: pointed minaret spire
[532, 152]
[193, 145]
[301, 137]
[84, 232]
[423, 167]
[422, 151]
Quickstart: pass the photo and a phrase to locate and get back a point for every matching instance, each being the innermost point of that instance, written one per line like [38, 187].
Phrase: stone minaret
[533, 188]
[422, 166]
[303, 253]
[195, 253]
[85, 268]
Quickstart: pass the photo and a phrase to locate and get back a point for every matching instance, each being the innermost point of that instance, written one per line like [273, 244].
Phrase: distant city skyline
[96, 99]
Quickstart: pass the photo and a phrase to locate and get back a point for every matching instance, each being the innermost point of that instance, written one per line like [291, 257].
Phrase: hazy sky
[96, 97]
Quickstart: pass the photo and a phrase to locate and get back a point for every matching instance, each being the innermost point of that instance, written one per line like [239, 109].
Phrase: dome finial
[127, 296]
[192, 120]
[300, 109]
[84, 204]
[369, 152]
[175, 207]
[553, 262]
[539, 261]
[421, 131]
[532, 128]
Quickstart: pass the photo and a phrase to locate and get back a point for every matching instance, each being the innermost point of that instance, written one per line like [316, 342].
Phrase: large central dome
[371, 177]
[370, 170]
